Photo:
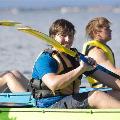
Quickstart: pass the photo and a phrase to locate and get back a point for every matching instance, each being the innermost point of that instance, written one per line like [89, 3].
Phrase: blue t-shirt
[43, 65]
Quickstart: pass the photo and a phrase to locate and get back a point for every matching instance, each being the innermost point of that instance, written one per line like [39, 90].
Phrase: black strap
[88, 73]
[97, 83]
[63, 62]
[66, 68]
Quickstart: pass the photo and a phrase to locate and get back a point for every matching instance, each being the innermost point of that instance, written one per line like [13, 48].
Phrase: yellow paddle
[54, 43]
[47, 39]
[38, 34]
[9, 23]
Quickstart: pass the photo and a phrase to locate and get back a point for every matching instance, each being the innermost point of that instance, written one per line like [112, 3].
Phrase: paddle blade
[47, 39]
[9, 23]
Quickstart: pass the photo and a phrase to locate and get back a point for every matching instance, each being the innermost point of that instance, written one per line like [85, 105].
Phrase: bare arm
[55, 82]
[101, 59]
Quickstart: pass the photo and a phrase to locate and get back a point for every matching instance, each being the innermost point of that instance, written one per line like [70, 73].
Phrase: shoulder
[97, 50]
[45, 54]
[97, 54]
[45, 57]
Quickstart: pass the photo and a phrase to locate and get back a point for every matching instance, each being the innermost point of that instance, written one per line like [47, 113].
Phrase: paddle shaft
[99, 67]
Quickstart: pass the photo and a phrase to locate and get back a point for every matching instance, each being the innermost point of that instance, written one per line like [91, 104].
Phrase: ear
[98, 33]
[95, 33]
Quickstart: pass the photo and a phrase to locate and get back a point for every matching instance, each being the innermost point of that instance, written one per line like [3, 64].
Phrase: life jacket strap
[39, 90]
[88, 73]
[97, 83]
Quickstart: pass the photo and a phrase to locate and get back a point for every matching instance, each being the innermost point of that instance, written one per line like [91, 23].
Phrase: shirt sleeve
[44, 64]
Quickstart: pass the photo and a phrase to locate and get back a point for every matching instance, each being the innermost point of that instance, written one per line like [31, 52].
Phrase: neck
[101, 40]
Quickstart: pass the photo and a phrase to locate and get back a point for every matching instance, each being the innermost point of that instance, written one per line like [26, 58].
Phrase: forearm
[55, 82]
[67, 78]
[116, 70]
[111, 67]
[107, 79]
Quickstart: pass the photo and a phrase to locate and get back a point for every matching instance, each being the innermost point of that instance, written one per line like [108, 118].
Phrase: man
[99, 32]
[60, 74]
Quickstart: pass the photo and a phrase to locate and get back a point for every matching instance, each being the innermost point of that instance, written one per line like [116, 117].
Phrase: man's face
[65, 40]
[105, 33]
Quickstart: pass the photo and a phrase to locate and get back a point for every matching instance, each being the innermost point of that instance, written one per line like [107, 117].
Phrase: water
[19, 50]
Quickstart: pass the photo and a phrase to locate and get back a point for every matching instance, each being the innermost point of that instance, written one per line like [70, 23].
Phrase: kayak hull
[21, 106]
[58, 114]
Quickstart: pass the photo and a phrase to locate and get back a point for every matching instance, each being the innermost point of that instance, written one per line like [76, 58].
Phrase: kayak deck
[25, 99]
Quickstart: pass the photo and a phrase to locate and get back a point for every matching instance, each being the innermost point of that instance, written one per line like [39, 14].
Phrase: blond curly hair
[95, 25]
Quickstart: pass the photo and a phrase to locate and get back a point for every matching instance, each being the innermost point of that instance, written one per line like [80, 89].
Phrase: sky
[54, 3]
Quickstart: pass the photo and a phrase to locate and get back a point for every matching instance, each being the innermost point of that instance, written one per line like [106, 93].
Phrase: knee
[11, 73]
[94, 98]
[15, 72]
[6, 75]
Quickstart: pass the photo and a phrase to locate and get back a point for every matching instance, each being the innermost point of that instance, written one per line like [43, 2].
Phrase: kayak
[22, 106]
[20, 99]
[58, 114]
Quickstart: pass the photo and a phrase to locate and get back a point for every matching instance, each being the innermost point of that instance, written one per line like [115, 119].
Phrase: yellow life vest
[95, 43]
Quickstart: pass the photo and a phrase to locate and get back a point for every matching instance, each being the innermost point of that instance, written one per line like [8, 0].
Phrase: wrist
[82, 69]
[89, 73]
